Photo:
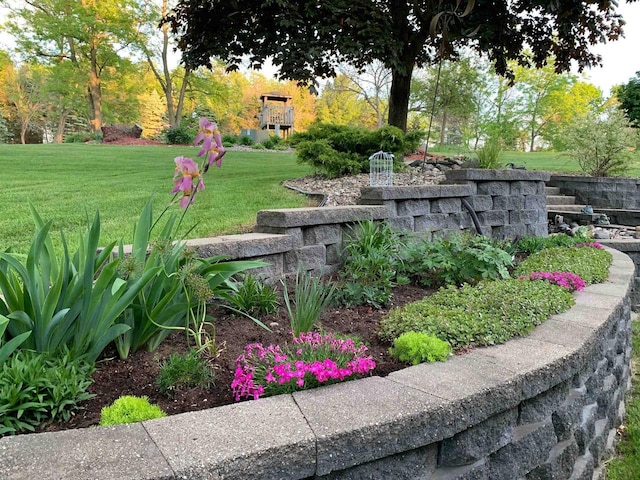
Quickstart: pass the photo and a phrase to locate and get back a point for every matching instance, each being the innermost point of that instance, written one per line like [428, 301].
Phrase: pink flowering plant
[568, 280]
[590, 245]
[313, 359]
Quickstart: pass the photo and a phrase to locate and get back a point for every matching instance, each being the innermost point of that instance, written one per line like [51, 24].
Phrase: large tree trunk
[443, 127]
[62, 120]
[399, 97]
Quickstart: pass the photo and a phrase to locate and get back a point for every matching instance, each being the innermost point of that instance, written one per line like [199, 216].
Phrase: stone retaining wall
[507, 203]
[603, 192]
[541, 407]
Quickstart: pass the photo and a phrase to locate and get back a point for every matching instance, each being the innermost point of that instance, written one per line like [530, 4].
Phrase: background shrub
[591, 264]
[36, 388]
[229, 140]
[337, 150]
[130, 409]
[418, 347]
[489, 313]
[182, 135]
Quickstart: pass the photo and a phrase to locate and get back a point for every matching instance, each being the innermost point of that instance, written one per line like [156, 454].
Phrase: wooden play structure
[276, 114]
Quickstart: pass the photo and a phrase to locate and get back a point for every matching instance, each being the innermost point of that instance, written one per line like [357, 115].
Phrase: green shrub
[182, 135]
[230, 140]
[245, 140]
[591, 264]
[184, 371]
[271, 142]
[458, 259]
[130, 409]
[82, 137]
[258, 146]
[486, 314]
[418, 347]
[37, 388]
[253, 297]
[9, 345]
[371, 265]
[338, 150]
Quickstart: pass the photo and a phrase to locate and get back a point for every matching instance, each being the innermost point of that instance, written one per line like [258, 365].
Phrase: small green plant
[418, 347]
[310, 297]
[489, 313]
[246, 140]
[490, 154]
[229, 140]
[82, 137]
[130, 409]
[271, 142]
[253, 297]
[531, 245]
[38, 388]
[458, 259]
[372, 265]
[179, 372]
[591, 264]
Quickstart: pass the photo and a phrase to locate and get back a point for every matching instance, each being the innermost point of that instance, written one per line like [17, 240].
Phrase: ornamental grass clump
[489, 313]
[313, 359]
[589, 263]
[130, 409]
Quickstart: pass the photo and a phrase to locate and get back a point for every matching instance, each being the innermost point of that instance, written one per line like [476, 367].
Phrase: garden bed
[137, 374]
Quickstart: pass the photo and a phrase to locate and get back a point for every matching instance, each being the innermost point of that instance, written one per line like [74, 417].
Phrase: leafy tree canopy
[309, 38]
[629, 97]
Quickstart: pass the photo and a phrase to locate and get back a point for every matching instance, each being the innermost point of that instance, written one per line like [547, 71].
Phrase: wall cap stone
[415, 192]
[507, 174]
[302, 217]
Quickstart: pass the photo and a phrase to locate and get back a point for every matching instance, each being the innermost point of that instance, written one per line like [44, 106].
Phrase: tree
[372, 84]
[340, 103]
[602, 144]
[91, 35]
[309, 38]
[540, 92]
[629, 98]
[452, 100]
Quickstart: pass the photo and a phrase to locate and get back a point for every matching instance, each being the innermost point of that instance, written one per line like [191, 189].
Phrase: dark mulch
[137, 374]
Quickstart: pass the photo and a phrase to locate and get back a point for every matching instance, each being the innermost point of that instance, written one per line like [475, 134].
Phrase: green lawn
[550, 161]
[67, 182]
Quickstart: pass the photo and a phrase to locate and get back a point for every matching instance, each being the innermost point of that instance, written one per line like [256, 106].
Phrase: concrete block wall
[541, 407]
[507, 203]
[602, 192]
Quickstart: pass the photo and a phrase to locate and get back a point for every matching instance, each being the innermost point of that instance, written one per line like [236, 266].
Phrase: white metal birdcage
[381, 169]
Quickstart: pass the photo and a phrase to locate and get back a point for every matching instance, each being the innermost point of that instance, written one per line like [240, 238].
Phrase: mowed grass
[66, 183]
[626, 465]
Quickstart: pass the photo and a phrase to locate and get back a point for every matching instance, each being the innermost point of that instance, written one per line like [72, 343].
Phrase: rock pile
[117, 133]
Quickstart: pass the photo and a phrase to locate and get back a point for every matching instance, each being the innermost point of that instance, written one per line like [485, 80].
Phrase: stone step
[561, 199]
[552, 190]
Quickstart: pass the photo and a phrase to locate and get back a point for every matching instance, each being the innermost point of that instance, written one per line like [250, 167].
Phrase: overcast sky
[620, 59]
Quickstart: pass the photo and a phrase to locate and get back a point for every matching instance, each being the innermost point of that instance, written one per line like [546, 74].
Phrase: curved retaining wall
[541, 407]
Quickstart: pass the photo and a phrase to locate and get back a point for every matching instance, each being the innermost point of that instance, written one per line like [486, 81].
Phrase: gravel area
[346, 190]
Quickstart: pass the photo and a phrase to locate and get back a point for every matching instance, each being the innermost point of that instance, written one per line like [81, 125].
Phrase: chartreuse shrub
[590, 263]
[38, 388]
[419, 347]
[181, 371]
[130, 409]
[486, 314]
[372, 265]
[337, 150]
[457, 259]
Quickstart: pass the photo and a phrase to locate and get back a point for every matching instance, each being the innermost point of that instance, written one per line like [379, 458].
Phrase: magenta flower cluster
[311, 360]
[567, 280]
[590, 245]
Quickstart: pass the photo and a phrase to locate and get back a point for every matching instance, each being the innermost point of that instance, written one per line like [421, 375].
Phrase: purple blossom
[590, 245]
